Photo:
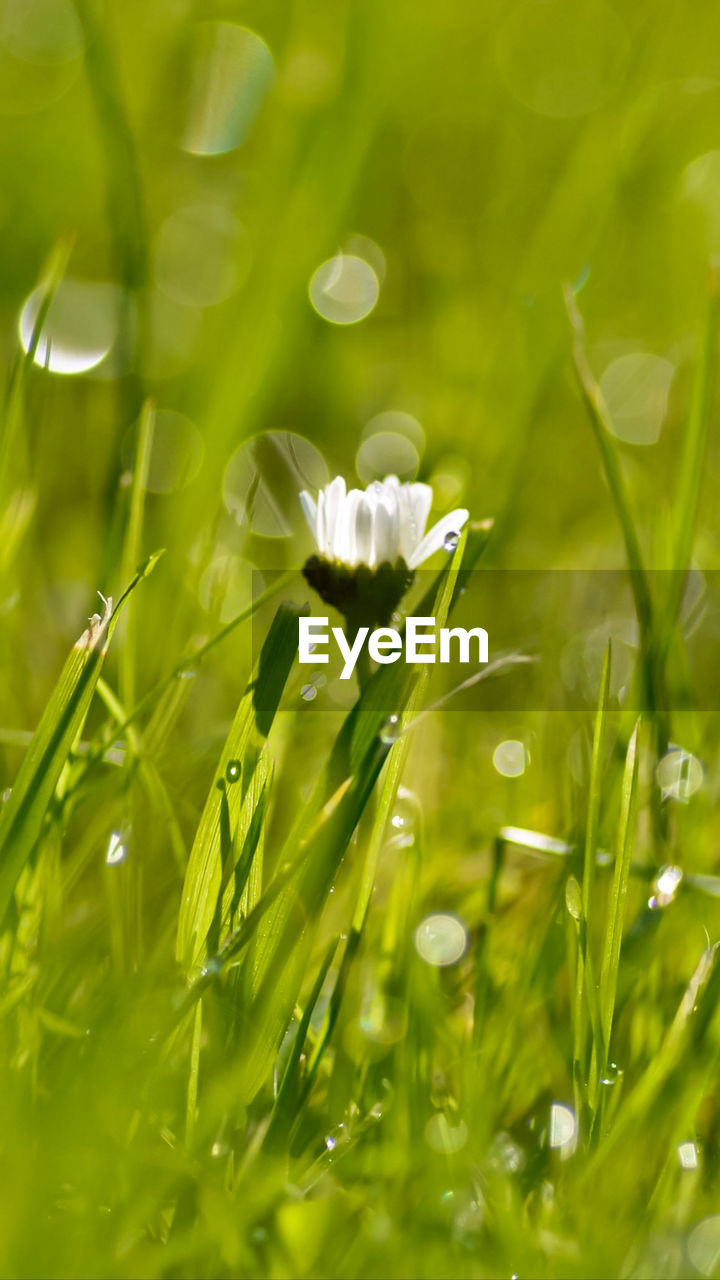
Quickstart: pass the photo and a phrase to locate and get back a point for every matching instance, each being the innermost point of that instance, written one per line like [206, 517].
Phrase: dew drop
[450, 541]
[116, 850]
[308, 692]
[390, 731]
[233, 770]
[614, 1075]
[665, 886]
[687, 1154]
[403, 821]
[562, 1128]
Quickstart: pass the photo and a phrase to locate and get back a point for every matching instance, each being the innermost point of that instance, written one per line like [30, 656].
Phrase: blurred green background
[350, 221]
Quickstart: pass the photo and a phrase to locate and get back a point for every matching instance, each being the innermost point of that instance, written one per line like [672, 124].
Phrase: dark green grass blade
[61, 724]
[243, 753]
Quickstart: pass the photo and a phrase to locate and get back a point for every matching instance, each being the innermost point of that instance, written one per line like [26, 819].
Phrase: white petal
[364, 521]
[421, 499]
[345, 529]
[409, 536]
[451, 523]
[384, 541]
[334, 499]
[309, 507]
[321, 524]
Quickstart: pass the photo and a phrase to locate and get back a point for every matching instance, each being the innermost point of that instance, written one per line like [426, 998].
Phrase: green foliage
[296, 978]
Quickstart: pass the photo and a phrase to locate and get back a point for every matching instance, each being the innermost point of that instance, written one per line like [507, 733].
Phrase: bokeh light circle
[560, 58]
[510, 758]
[703, 1245]
[231, 74]
[441, 939]
[264, 478]
[200, 255]
[176, 452]
[636, 389]
[679, 774]
[80, 328]
[386, 454]
[344, 290]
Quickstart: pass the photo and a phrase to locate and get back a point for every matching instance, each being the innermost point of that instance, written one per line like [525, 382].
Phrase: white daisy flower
[383, 524]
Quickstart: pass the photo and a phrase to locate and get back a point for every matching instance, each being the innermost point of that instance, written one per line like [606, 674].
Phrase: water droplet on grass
[233, 770]
[337, 1136]
[665, 886]
[562, 1128]
[308, 692]
[688, 1155]
[116, 850]
[450, 541]
[614, 1075]
[403, 821]
[390, 731]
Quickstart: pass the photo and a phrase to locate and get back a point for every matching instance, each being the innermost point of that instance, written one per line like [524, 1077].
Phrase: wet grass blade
[596, 779]
[278, 958]
[618, 894]
[60, 726]
[285, 1107]
[585, 1010]
[243, 753]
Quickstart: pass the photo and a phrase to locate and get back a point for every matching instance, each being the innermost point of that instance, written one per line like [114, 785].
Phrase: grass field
[312, 978]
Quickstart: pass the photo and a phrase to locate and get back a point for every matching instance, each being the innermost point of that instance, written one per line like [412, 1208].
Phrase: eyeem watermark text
[421, 641]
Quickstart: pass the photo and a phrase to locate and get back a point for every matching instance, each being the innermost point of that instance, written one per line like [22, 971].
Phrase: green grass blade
[133, 542]
[286, 1102]
[60, 726]
[599, 416]
[618, 894]
[239, 759]
[279, 957]
[17, 496]
[596, 778]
